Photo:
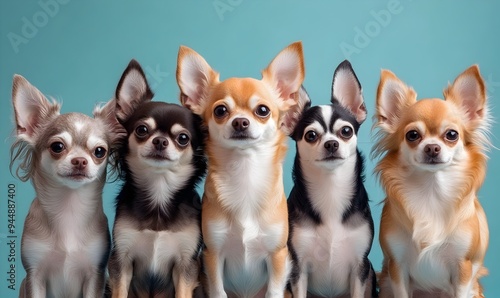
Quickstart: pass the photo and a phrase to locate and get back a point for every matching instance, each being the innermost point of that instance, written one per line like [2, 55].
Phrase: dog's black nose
[432, 150]
[240, 124]
[160, 143]
[331, 146]
[79, 162]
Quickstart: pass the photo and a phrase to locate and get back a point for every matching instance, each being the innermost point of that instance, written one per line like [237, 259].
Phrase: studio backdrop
[76, 51]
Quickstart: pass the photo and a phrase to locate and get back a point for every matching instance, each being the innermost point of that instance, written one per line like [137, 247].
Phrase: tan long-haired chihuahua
[433, 230]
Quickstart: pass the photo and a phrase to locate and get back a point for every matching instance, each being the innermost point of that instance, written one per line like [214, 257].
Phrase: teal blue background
[78, 53]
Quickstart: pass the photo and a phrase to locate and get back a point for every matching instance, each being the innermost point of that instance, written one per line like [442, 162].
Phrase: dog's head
[326, 135]
[431, 134]
[241, 112]
[69, 149]
[159, 135]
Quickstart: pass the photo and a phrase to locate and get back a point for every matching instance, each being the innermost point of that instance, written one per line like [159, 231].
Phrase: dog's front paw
[217, 294]
[274, 294]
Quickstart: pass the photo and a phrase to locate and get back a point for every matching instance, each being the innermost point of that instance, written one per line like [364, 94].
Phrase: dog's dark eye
[346, 132]
[57, 147]
[311, 136]
[141, 130]
[412, 135]
[451, 135]
[220, 111]
[183, 139]
[262, 111]
[99, 152]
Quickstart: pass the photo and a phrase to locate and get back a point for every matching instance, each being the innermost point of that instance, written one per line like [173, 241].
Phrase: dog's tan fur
[464, 109]
[269, 208]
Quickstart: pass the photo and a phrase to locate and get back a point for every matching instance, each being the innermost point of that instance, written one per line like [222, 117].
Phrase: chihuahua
[433, 230]
[244, 211]
[157, 229]
[328, 205]
[65, 243]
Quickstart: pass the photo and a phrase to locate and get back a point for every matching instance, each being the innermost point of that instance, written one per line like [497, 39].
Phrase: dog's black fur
[130, 199]
[300, 208]
[133, 204]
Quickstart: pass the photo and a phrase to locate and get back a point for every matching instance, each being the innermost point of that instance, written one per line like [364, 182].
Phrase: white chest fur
[436, 265]
[246, 184]
[72, 247]
[328, 252]
[245, 181]
[156, 252]
[330, 191]
[431, 253]
[160, 183]
[245, 245]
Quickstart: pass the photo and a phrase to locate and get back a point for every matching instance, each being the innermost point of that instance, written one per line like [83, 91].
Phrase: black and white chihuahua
[156, 233]
[331, 227]
[65, 244]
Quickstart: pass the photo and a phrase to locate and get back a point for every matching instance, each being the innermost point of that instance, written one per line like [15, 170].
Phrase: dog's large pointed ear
[132, 90]
[468, 92]
[393, 96]
[107, 114]
[285, 74]
[294, 114]
[32, 110]
[346, 90]
[194, 77]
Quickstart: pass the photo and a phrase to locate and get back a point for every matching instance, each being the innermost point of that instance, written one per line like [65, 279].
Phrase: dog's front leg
[278, 266]
[399, 280]
[35, 286]
[299, 287]
[22, 289]
[215, 275]
[94, 284]
[120, 275]
[463, 280]
[359, 279]
[185, 278]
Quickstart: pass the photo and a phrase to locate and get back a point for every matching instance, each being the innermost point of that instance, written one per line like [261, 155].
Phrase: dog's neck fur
[84, 203]
[247, 180]
[432, 195]
[161, 184]
[330, 191]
